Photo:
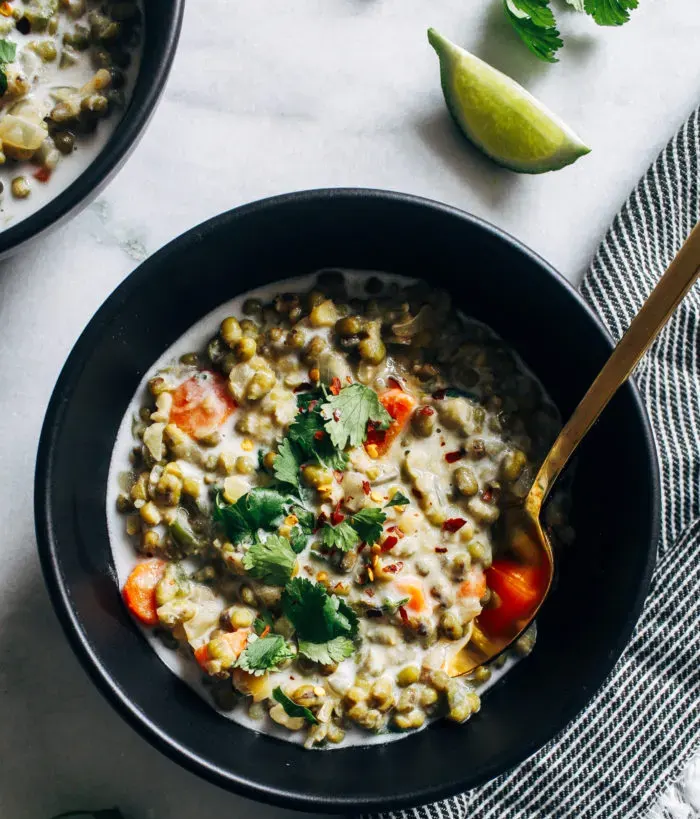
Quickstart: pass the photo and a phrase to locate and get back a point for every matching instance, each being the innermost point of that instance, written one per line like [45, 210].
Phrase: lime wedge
[499, 116]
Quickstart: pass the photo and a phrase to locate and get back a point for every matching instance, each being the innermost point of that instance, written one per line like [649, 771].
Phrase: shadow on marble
[485, 179]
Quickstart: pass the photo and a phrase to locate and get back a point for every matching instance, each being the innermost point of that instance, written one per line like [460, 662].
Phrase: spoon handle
[656, 311]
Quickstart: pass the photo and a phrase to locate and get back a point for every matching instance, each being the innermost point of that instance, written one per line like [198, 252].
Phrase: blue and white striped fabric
[634, 753]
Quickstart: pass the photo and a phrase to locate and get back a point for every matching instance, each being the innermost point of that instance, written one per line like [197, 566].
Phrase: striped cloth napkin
[634, 753]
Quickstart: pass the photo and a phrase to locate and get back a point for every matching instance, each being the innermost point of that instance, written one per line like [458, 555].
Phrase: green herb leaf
[342, 536]
[348, 414]
[368, 523]
[317, 616]
[299, 536]
[263, 654]
[543, 41]
[577, 4]
[287, 463]
[308, 432]
[8, 51]
[291, 709]
[390, 606]
[262, 621]
[304, 399]
[610, 12]
[271, 560]
[258, 509]
[537, 10]
[399, 499]
[334, 651]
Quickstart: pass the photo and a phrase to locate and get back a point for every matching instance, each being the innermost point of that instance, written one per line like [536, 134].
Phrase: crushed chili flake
[366, 488]
[338, 475]
[335, 385]
[441, 549]
[336, 515]
[404, 614]
[305, 387]
[453, 524]
[451, 457]
[319, 434]
[321, 519]
[426, 411]
[487, 495]
[396, 531]
[369, 592]
[394, 568]
[336, 416]
[265, 632]
[361, 547]
[43, 175]
[438, 395]
[389, 543]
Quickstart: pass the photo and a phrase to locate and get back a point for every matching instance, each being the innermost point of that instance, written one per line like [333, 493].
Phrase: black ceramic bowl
[603, 578]
[161, 31]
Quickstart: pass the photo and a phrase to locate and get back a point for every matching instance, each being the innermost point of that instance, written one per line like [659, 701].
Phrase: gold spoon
[527, 540]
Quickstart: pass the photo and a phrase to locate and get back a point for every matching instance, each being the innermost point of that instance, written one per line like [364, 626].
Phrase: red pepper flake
[305, 387]
[392, 382]
[438, 395]
[451, 457]
[335, 385]
[312, 405]
[366, 488]
[487, 495]
[336, 416]
[361, 547]
[396, 531]
[441, 549]
[348, 379]
[394, 568]
[389, 543]
[336, 515]
[320, 520]
[369, 592]
[265, 632]
[319, 434]
[43, 175]
[338, 475]
[404, 614]
[426, 411]
[453, 524]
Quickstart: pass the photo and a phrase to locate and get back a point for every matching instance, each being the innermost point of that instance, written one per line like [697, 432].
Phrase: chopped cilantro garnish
[263, 654]
[368, 524]
[342, 536]
[271, 560]
[287, 463]
[291, 709]
[348, 414]
[390, 606]
[542, 39]
[8, 52]
[610, 12]
[317, 616]
[309, 434]
[262, 621]
[334, 651]
[258, 509]
[398, 499]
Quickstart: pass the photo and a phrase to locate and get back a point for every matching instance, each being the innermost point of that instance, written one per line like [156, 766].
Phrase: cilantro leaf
[543, 41]
[399, 499]
[368, 523]
[610, 12]
[287, 463]
[348, 414]
[577, 4]
[258, 509]
[317, 616]
[334, 651]
[298, 540]
[291, 709]
[262, 621]
[309, 433]
[301, 531]
[342, 536]
[263, 654]
[8, 51]
[306, 398]
[271, 560]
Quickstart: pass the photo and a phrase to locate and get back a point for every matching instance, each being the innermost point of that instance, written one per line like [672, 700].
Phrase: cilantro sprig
[261, 508]
[317, 616]
[271, 560]
[291, 708]
[398, 499]
[536, 26]
[365, 526]
[263, 654]
[348, 414]
[8, 52]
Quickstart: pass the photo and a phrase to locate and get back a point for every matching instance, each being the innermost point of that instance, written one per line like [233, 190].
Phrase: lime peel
[499, 116]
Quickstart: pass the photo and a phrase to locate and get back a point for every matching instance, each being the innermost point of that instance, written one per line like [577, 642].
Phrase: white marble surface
[267, 97]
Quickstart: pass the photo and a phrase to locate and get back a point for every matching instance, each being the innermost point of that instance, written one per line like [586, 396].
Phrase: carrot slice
[139, 591]
[237, 639]
[399, 405]
[475, 583]
[201, 655]
[519, 588]
[201, 404]
[413, 589]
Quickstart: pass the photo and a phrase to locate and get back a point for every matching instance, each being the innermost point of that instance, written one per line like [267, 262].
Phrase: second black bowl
[603, 577]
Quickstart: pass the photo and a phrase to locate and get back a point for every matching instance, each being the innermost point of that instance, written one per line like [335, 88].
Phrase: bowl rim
[99, 172]
[60, 593]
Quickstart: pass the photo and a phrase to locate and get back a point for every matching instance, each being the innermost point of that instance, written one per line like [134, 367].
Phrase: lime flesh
[499, 116]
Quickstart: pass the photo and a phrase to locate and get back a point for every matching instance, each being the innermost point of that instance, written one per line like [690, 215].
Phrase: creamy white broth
[437, 471]
[44, 78]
